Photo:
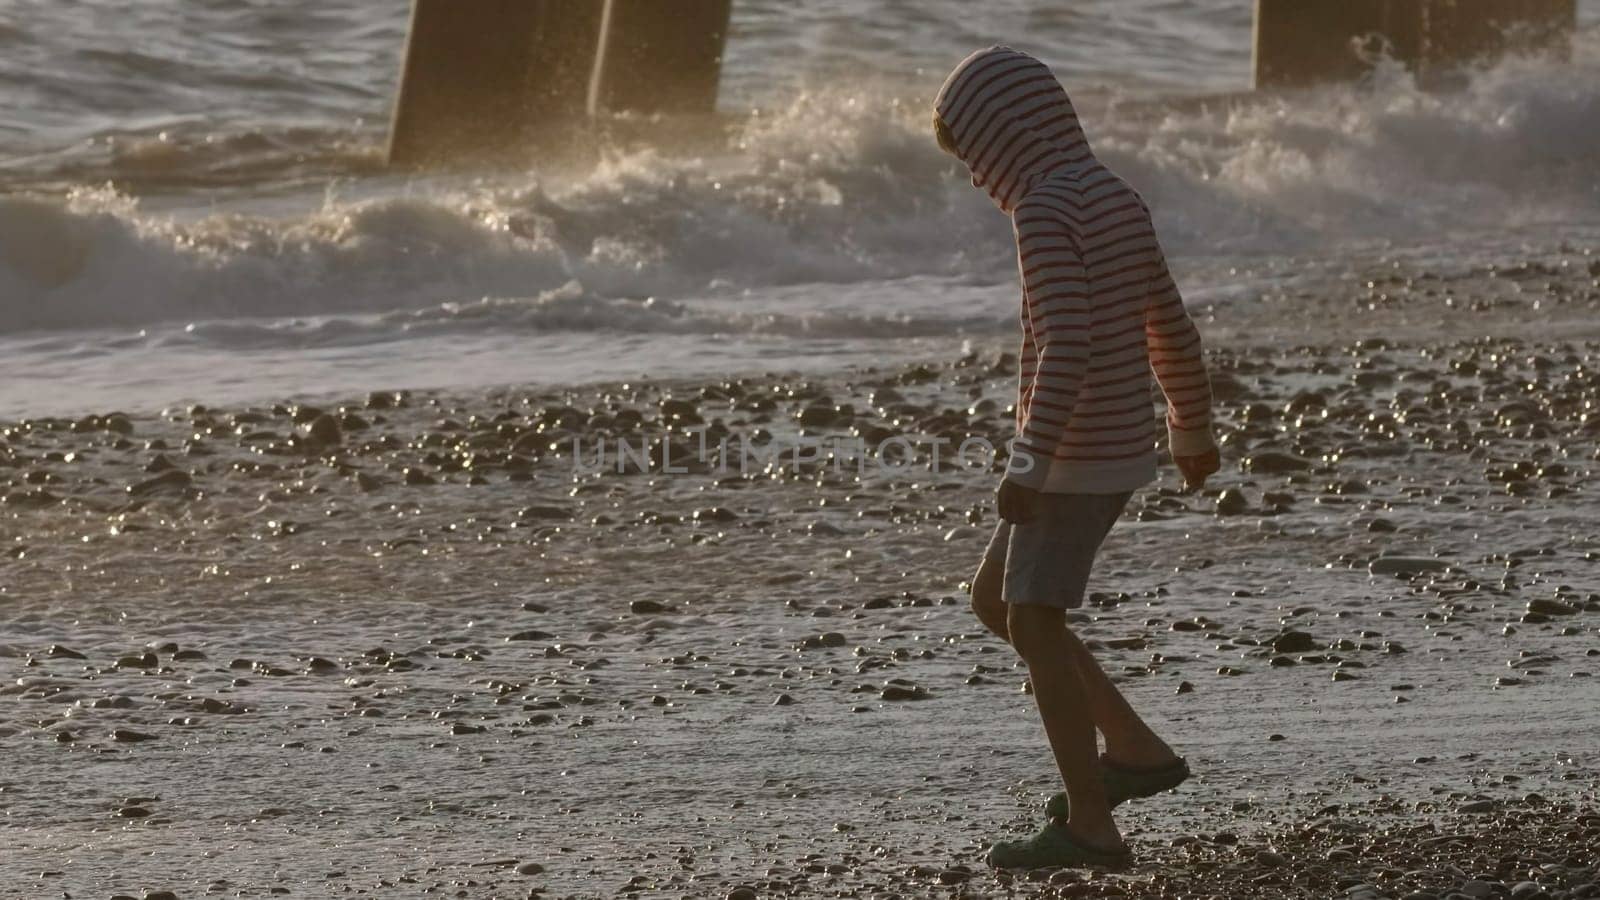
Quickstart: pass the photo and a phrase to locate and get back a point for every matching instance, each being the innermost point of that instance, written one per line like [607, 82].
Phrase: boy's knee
[1036, 630]
[987, 602]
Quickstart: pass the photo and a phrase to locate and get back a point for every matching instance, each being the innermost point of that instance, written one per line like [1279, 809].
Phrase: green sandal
[1053, 846]
[1123, 784]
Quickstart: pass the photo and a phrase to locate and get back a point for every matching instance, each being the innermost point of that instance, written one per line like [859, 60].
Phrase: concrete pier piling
[508, 81]
[1465, 30]
[1300, 43]
[658, 57]
[1304, 42]
[481, 76]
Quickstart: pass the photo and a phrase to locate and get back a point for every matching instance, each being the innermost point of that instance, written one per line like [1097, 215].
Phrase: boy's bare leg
[986, 602]
[1039, 635]
[1129, 740]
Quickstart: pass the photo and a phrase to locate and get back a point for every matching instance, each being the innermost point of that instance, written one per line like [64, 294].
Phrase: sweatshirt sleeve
[1055, 287]
[1180, 369]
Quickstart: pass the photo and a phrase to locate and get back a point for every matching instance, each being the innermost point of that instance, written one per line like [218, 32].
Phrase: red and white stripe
[1100, 309]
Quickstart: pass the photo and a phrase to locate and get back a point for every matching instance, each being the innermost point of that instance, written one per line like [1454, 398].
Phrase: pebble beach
[408, 643]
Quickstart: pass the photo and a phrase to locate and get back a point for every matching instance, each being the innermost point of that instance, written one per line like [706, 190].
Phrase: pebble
[899, 689]
[1548, 607]
[545, 512]
[679, 411]
[1232, 502]
[174, 480]
[142, 661]
[1294, 642]
[324, 432]
[1405, 565]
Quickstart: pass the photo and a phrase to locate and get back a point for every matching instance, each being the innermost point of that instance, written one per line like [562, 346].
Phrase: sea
[193, 206]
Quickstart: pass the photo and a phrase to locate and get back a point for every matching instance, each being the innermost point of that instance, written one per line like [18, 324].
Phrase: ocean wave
[1516, 146]
[572, 308]
[836, 186]
[176, 155]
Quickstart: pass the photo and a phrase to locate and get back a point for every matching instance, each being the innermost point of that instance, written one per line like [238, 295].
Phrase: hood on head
[1012, 122]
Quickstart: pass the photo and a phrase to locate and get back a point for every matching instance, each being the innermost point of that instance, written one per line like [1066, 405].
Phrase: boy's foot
[1124, 783]
[1054, 846]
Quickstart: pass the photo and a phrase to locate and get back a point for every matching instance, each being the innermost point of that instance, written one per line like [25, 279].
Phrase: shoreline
[1532, 295]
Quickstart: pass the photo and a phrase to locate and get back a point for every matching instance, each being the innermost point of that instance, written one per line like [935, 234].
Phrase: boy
[1099, 312]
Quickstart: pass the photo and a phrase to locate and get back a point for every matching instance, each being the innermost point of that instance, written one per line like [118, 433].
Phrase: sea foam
[833, 187]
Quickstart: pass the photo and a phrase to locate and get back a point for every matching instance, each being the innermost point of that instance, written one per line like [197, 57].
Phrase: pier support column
[1463, 31]
[509, 81]
[491, 80]
[1305, 42]
[658, 56]
[1299, 43]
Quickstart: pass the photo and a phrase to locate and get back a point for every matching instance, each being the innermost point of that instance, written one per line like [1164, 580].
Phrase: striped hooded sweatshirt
[1099, 308]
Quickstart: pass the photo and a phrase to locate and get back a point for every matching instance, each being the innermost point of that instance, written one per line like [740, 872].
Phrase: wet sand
[394, 645]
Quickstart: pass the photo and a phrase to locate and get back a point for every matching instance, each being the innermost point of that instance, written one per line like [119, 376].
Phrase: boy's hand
[1016, 502]
[1196, 469]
